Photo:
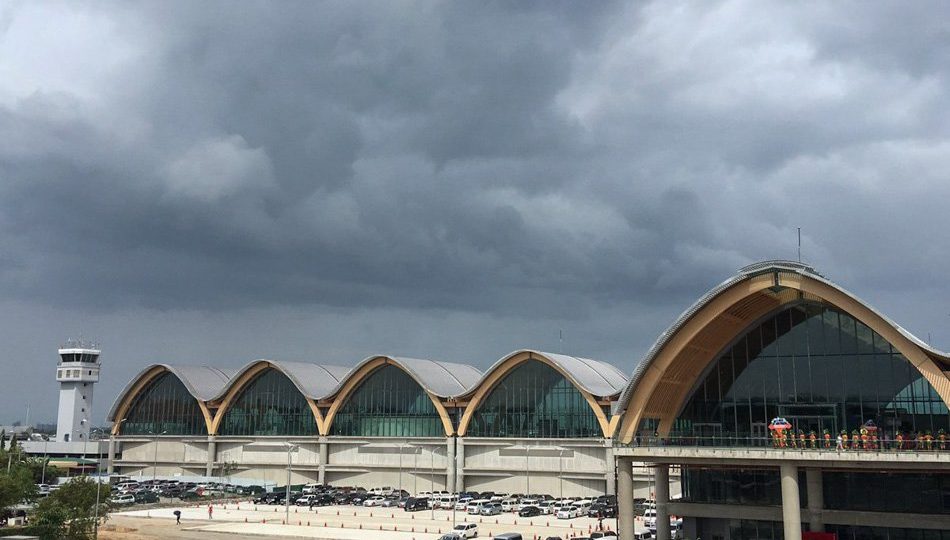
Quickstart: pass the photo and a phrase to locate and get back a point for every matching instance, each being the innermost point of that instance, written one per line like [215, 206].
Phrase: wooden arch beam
[671, 357]
[140, 385]
[360, 375]
[239, 385]
[503, 369]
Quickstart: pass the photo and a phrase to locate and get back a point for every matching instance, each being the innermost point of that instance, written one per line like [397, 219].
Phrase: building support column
[816, 500]
[110, 463]
[625, 509]
[450, 464]
[212, 456]
[324, 460]
[791, 507]
[459, 463]
[661, 479]
[610, 472]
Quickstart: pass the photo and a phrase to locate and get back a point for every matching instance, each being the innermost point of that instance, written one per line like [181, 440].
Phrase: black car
[414, 504]
[145, 497]
[189, 495]
[602, 510]
[529, 511]
[321, 500]
[358, 498]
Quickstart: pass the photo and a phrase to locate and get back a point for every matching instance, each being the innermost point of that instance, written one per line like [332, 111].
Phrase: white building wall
[563, 466]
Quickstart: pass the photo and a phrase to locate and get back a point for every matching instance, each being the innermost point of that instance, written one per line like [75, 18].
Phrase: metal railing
[922, 443]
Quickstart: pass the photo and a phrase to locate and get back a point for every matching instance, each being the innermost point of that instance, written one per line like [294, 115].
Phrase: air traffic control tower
[77, 374]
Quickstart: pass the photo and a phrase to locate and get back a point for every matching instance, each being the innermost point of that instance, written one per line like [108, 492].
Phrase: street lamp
[560, 472]
[155, 460]
[401, 445]
[527, 476]
[291, 448]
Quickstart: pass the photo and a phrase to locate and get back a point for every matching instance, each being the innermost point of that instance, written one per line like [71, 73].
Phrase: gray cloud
[325, 181]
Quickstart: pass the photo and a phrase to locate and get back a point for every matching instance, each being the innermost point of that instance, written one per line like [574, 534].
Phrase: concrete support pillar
[459, 463]
[625, 508]
[450, 464]
[110, 463]
[212, 456]
[324, 460]
[791, 508]
[610, 474]
[816, 500]
[661, 478]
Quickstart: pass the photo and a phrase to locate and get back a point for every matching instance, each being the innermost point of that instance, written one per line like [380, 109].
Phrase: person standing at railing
[839, 443]
[942, 439]
[900, 441]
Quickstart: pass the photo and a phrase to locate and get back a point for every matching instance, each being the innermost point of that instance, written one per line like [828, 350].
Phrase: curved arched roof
[315, 381]
[597, 378]
[441, 379]
[768, 271]
[202, 382]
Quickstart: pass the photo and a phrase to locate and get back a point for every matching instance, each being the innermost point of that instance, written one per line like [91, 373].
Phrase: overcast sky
[195, 183]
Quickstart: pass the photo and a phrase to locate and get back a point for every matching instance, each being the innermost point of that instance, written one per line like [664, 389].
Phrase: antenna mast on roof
[560, 341]
[799, 244]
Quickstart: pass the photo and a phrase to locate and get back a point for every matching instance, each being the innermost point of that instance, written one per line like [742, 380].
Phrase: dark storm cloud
[455, 179]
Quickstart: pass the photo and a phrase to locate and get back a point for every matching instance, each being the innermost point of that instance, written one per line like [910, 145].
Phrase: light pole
[45, 459]
[95, 526]
[432, 479]
[560, 473]
[155, 457]
[291, 448]
[401, 445]
[527, 482]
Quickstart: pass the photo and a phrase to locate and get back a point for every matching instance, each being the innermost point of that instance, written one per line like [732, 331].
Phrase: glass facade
[882, 492]
[388, 403]
[820, 369]
[534, 400]
[269, 405]
[757, 487]
[164, 407]
[857, 532]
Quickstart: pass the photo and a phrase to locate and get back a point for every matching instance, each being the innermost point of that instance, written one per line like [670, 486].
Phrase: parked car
[189, 495]
[603, 535]
[375, 500]
[490, 509]
[508, 536]
[451, 536]
[475, 506]
[123, 499]
[145, 497]
[567, 512]
[305, 500]
[529, 511]
[321, 500]
[466, 530]
[414, 504]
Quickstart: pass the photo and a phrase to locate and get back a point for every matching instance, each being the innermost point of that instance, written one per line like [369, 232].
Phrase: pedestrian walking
[210, 510]
[177, 517]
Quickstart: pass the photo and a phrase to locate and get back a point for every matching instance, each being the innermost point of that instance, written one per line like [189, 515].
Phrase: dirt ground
[129, 528]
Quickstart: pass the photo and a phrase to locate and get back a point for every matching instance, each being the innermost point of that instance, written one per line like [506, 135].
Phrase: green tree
[36, 468]
[67, 513]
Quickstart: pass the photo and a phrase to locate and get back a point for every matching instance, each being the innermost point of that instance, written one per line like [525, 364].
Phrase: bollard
[245, 520]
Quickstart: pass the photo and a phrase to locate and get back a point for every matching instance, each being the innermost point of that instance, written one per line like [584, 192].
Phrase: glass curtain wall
[388, 403]
[820, 369]
[166, 407]
[269, 405]
[534, 401]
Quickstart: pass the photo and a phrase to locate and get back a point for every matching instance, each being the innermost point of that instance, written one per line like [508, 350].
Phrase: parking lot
[343, 522]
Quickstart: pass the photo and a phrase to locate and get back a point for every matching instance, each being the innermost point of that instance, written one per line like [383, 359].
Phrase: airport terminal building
[784, 404]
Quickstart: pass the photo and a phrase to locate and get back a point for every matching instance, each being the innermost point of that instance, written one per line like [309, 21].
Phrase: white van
[447, 501]
[474, 507]
[462, 503]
